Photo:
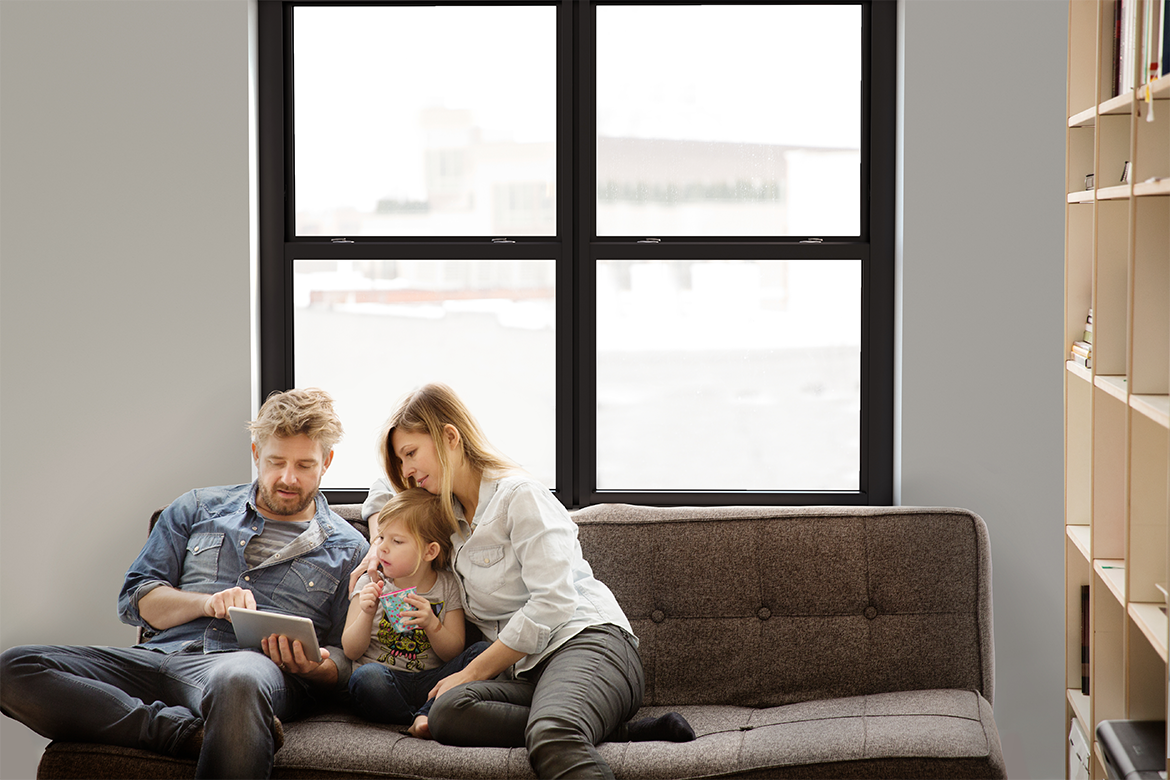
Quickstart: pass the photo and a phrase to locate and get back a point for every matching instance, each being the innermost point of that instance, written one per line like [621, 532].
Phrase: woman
[562, 672]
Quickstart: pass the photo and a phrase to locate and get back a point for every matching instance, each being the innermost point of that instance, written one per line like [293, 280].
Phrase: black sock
[670, 727]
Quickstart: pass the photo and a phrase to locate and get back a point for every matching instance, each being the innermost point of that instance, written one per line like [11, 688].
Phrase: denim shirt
[525, 579]
[198, 545]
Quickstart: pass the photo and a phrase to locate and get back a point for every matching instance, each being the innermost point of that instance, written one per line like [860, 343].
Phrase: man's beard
[282, 506]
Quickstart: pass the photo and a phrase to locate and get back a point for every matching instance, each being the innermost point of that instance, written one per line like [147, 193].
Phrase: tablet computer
[252, 625]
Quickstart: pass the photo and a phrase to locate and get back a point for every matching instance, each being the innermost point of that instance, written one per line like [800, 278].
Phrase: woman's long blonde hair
[430, 409]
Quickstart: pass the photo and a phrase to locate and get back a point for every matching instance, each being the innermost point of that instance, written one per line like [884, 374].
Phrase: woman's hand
[369, 565]
[449, 682]
[484, 666]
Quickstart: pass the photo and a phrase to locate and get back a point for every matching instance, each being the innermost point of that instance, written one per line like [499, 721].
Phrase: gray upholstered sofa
[823, 642]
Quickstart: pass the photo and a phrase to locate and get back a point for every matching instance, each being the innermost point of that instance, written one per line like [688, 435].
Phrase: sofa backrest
[763, 606]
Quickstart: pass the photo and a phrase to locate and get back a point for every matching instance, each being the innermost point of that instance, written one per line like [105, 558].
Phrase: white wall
[125, 301]
[125, 327]
[981, 266]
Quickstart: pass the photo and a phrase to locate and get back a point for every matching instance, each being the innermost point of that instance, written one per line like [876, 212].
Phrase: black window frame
[576, 249]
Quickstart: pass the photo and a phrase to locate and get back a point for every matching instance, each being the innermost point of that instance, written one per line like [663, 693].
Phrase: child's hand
[368, 598]
[421, 616]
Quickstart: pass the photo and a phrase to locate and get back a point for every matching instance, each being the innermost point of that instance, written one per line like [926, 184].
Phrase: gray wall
[126, 306]
[125, 298]
[982, 279]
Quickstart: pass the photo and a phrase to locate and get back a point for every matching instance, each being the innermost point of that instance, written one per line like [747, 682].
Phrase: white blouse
[525, 580]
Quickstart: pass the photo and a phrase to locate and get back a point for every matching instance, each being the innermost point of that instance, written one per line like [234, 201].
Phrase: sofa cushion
[942, 733]
[827, 601]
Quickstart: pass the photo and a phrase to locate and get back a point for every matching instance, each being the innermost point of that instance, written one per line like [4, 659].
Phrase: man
[189, 689]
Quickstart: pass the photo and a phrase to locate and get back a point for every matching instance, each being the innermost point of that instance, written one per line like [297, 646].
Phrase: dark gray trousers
[574, 699]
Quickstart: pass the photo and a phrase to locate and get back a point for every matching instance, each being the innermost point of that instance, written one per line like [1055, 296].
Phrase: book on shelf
[1164, 45]
[1140, 32]
[1155, 39]
[1085, 640]
[1127, 37]
[1081, 351]
[1116, 59]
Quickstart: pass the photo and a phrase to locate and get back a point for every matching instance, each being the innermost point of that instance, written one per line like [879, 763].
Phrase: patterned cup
[393, 604]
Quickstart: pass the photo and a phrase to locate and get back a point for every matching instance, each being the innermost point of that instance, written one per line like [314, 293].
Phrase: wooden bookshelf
[1117, 410]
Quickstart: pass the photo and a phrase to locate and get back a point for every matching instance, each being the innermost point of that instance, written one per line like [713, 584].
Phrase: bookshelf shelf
[1114, 385]
[1154, 407]
[1080, 705]
[1086, 118]
[1147, 189]
[1080, 535]
[1122, 104]
[1112, 573]
[1079, 371]
[1116, 192]
[1117, 413]
[1151, 619]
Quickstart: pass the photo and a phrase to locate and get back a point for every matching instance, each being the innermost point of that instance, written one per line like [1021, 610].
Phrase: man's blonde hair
[294, 412]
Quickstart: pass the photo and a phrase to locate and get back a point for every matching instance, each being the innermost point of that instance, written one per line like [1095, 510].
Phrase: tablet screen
[252, 625]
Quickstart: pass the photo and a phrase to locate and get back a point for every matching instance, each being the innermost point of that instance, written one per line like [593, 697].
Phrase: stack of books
[1141, 43]
[1082, 349]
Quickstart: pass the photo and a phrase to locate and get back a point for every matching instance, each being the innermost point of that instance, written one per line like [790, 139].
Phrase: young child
[395, 671]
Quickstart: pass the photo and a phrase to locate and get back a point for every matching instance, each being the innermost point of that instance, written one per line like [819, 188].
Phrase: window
[650, 244]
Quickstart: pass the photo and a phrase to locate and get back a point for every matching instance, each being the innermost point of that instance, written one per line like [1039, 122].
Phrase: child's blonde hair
[422, 517]
[429, 409]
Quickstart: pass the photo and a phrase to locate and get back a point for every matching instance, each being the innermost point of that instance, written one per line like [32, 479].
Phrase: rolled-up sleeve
[339, 610]
[544, 540]
[161, 559]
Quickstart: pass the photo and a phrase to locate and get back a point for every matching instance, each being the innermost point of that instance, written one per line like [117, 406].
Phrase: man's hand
[291, 658]
[217, 604]
[167, 606]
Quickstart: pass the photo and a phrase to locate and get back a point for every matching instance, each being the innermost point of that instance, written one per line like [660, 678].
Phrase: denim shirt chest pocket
[488, 567]
[201, 564]
[305, 589]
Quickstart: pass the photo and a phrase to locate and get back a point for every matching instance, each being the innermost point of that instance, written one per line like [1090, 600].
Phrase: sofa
[800, 642]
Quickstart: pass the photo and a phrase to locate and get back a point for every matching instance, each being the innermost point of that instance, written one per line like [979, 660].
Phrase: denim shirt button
[196, 548]
[247, 578]
[241, 543]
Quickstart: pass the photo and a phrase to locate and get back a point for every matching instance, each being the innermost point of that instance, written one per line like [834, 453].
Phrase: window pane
[748, 134]
[729, 375]
[370, 331]
[422, 121]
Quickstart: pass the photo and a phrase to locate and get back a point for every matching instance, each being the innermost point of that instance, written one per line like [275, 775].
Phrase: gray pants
[573, 700]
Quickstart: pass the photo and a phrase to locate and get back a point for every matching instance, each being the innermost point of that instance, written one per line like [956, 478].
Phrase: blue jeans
[560, 710]
[384, 695]
[139, 698]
